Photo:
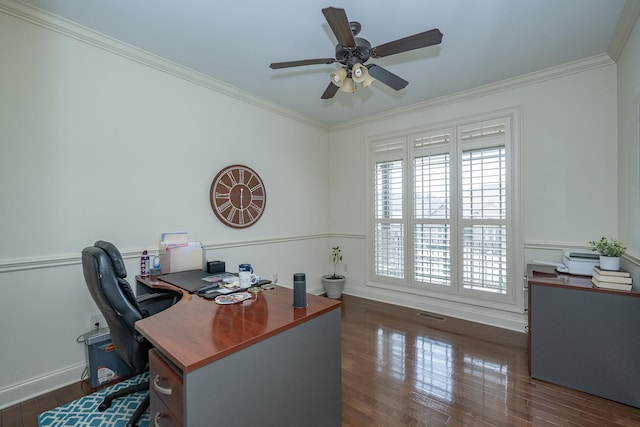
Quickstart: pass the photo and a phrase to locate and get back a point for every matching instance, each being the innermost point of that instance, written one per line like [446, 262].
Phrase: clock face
[238, 196]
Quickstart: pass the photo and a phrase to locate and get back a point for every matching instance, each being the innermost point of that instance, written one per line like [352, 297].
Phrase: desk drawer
[166, 385]
[160, 415]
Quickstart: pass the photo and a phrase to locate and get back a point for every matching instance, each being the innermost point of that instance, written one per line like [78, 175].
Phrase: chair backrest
[104, 274]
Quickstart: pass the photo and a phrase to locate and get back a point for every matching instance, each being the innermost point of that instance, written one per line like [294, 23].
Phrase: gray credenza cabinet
[584, 337]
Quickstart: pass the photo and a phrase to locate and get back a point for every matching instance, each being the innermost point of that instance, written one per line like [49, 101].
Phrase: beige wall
[628, 145]
[98, 145]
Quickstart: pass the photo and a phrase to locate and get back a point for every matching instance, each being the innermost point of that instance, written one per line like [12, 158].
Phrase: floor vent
[431, 316]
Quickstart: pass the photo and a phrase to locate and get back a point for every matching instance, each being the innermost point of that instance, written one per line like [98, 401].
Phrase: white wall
[629, 148]
[97, 143]
[568, 174]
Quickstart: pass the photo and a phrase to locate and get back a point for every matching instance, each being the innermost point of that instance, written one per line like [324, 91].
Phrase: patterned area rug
[84, 412]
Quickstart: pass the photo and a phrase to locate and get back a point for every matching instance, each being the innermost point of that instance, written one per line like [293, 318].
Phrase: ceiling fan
[352, 52]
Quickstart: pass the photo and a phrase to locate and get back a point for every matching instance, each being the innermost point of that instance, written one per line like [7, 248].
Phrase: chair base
[133, 421]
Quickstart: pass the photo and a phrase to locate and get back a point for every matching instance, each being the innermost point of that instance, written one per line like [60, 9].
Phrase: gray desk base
[290, 379]
[588, 341]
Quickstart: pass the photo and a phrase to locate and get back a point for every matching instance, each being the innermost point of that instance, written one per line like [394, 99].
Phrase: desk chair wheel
[106, 402]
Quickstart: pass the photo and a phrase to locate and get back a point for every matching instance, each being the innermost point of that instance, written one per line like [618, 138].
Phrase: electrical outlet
[97, 322]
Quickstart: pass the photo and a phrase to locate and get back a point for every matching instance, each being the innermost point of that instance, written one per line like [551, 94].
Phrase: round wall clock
[238, 196]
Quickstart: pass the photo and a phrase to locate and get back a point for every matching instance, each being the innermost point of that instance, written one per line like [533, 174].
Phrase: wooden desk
[584, 337]
[259, 362]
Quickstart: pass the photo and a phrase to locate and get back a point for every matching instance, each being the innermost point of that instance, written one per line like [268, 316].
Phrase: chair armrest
[155, 296]
[154, 302]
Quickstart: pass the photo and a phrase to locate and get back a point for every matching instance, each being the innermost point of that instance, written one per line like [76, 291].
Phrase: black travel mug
[299, 290]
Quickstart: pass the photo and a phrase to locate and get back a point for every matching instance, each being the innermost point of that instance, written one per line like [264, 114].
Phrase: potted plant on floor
[334, 283]
[610, 251]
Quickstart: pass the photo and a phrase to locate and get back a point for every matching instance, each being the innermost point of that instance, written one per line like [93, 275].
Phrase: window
[389, 234]
[441, 209]
[432, 207]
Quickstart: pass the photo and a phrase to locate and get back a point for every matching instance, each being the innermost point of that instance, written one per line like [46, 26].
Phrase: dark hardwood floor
[26, 413]
[403, 369]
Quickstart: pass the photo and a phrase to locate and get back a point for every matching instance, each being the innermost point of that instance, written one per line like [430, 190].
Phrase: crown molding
[75, 31]
[626, 23]
[590, 63]
[43, 19]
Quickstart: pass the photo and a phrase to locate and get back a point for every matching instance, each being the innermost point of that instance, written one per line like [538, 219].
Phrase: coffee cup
[246, 276]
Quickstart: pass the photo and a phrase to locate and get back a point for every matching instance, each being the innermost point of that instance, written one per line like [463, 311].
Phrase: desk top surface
[195, 331]
[547, 275]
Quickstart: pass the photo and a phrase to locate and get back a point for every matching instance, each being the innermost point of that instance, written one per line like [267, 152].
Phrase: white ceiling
[484, 41]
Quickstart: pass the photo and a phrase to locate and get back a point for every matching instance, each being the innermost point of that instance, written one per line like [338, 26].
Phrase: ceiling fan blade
[387, 77]
[330, 91]
[416, 41]
[337, 19]
[276, 65]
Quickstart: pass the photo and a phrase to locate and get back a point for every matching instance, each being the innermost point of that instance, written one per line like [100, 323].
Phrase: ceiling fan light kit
[352, 52]
[359, 73]
[367, 81]
[348, 85]
[338, 77]
[346, 79]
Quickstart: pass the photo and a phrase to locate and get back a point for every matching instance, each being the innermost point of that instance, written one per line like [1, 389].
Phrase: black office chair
[105, 273]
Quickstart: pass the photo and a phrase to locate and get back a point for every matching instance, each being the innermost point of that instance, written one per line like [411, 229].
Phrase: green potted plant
[610, 251]
[334, 283]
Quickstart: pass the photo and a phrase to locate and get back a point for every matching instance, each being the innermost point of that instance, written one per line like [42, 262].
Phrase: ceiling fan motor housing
[350, 57]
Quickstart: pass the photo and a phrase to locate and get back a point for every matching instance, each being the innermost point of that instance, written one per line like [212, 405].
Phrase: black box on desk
[215, 267]
[105, 366]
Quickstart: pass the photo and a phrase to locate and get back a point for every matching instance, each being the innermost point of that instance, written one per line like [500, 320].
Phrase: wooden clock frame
[238, 196]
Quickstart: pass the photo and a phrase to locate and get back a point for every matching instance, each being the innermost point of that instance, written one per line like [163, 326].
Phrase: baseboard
[501, 319]
[34, 387]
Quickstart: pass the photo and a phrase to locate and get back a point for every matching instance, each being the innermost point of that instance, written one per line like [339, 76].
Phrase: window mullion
[455, 151]
[409, 215]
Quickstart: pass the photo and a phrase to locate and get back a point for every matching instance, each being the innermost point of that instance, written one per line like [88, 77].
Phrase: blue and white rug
[84, 411]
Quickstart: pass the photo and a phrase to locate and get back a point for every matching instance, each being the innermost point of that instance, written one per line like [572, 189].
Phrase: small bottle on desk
[144, 264]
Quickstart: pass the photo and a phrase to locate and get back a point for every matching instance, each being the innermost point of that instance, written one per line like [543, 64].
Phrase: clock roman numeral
[232, 178]
[232, 213]
[254, 207]
[226, 205]
[228, 187]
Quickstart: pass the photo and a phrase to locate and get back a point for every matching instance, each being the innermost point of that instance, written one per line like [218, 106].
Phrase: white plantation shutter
[441, 209]
[432, 207]
[389, 239]
[484, 207]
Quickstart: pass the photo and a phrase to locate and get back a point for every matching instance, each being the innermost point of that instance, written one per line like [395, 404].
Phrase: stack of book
[612, 279]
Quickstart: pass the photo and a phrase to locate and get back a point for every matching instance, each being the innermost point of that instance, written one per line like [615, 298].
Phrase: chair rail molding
[60, 260]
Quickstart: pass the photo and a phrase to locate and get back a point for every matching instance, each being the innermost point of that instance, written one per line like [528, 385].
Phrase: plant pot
[333, 287]
[609, 262]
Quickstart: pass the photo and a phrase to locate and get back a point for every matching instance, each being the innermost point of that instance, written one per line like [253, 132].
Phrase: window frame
[457, 291]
